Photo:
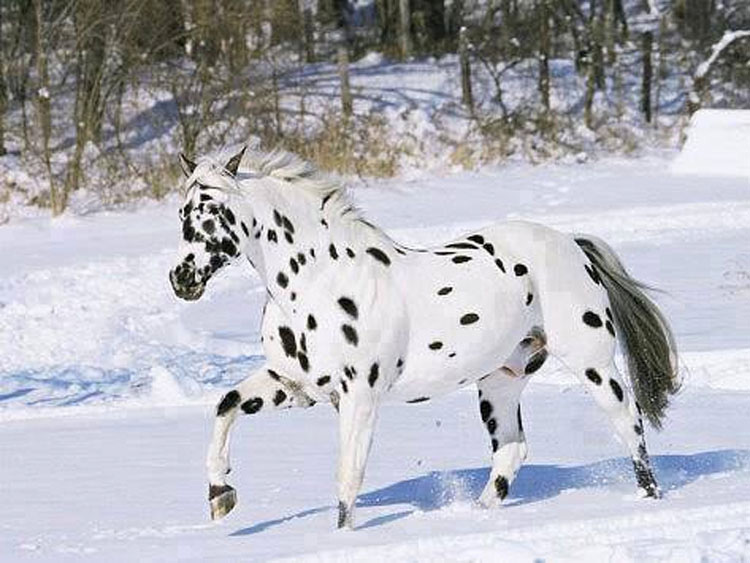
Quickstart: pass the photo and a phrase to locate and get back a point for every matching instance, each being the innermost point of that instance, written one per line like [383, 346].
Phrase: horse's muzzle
[184, 284]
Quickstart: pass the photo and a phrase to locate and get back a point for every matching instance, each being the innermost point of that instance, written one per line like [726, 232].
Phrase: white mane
[299, 174]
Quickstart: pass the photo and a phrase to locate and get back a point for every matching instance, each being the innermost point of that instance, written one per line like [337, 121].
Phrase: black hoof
[222, 499]
[345, 517]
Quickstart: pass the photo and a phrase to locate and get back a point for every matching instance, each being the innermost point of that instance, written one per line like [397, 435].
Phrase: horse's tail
[645, 337]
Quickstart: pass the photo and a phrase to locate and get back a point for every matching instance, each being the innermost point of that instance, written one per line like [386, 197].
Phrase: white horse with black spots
[354, 318]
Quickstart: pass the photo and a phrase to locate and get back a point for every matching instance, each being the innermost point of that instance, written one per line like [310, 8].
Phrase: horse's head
[211, 233]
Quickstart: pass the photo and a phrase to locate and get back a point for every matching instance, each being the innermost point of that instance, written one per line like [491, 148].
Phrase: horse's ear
[234, 162]
[188, 166]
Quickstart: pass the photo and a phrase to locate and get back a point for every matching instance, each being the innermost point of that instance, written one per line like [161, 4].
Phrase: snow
[107, 387]
[718, 144]
[716, 49]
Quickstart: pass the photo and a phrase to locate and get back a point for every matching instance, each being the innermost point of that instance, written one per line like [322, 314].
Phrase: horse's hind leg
[500, 409]
[606, 386]
[264, 389]
[499, 395]
[588, 352]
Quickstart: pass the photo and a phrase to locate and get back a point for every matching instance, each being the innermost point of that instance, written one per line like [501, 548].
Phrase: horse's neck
[295, 238]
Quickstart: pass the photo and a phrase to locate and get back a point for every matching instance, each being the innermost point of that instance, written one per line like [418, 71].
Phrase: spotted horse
[354, 318]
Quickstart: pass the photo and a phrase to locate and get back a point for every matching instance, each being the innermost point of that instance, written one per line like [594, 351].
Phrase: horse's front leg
[357, 417]
[265, 389]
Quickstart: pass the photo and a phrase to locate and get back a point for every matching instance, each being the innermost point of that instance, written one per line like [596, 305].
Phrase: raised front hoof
[222, 499]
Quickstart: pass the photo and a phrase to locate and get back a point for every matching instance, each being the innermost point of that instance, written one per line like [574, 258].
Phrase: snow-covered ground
[107, 385]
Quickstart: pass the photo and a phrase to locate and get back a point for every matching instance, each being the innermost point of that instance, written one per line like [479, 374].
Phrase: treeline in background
[97, 96]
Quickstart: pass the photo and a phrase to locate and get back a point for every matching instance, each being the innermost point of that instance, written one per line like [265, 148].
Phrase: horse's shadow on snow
[533, 483]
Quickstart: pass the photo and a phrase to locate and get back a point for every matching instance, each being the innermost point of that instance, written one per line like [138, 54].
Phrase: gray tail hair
[644, 334]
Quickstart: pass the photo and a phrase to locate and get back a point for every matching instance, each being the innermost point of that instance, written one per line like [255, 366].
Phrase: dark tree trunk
[544, 48]
[467, 96]
[647, 46]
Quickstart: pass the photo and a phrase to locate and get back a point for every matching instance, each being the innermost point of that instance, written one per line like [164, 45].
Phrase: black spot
[495, 444]
[325, 199]
[444, 290]
[324, 223]
[303, 342]
[324, 380]
[288, 342]
[205, 197]
[332, 251]
[273, 375]
[491, 425]
[348, 306]
[436, 345]
[479, 239]
[501, 487]
[304, 363]
[529, 298]
[638, 428]
[610, 328]
[301, 258]
[289, 238]
[616, 389]
[444, 253]
[312, 324]
[294, 265]
[499, 264]
[272, 236]
[228, 402]
[518, 416]
[469, 318]
[350, 334]
[489, 248]
[279, 397]
[251, 406]
[592, 319]
[452, 355]
[350, 252]
[594, 376]
[282, 280]
[485, 409]
[216, 262]
[418, 400]
[593, 274]
[379, 255]
[208, 226]
[229, 215]
[401, 252]
[288, 224]
[244, 228]
[228, 247]
[277, 218]
[609, 313]
[344, 386]
[465, 245]
[461, 259]
[374, 374]
[349, 372]
[399, 363]
[293, 297]
[536, 362]
[312, 253]
[520, 270]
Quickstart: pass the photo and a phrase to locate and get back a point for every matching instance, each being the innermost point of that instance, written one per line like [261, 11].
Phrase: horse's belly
[464, 322]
